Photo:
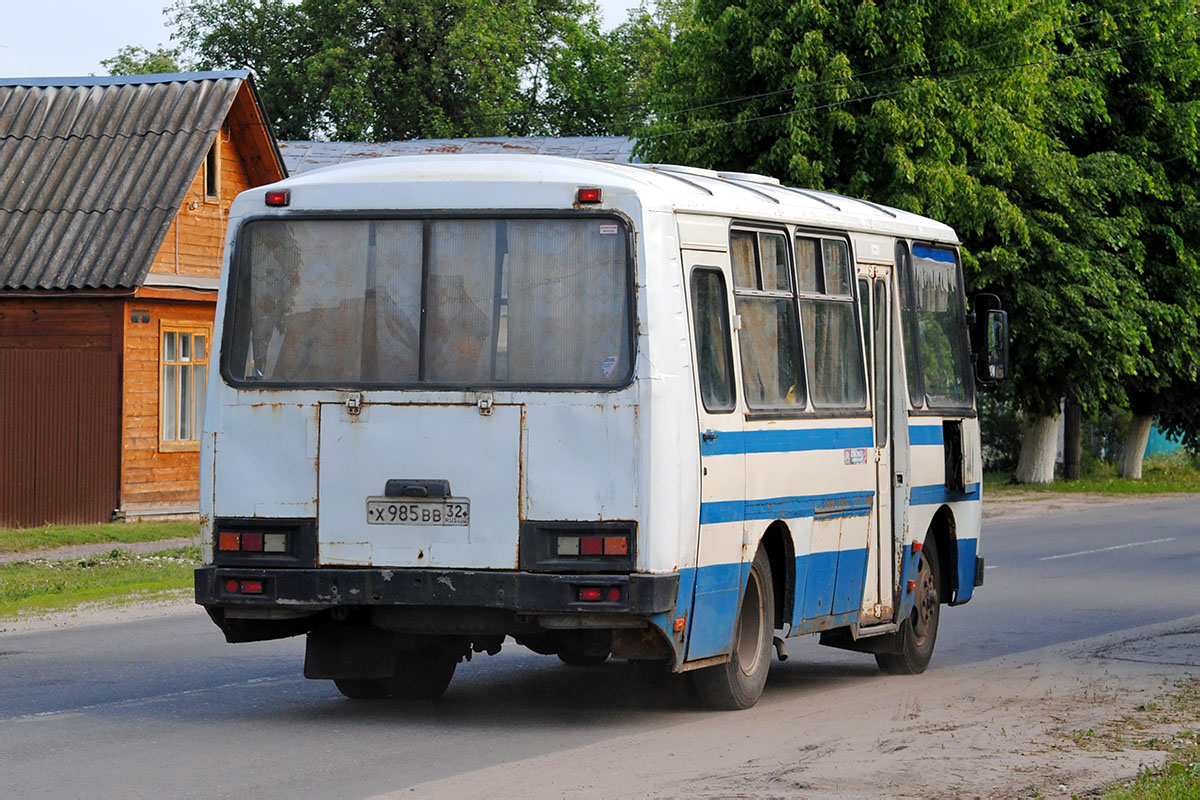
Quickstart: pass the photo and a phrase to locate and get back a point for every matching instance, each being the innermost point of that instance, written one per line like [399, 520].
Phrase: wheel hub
[925, 600]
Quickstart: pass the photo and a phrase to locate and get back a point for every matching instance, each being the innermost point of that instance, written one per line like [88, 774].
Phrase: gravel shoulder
[1034, 504]
[1056, 722]
[74, 551]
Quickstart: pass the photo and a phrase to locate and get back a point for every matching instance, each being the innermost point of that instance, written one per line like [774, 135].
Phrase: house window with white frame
[183, 359]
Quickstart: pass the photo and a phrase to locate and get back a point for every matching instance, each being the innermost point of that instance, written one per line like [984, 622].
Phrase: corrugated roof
[301, 157]
[93, 170]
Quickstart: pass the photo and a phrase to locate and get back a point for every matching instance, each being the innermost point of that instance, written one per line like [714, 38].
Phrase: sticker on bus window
[609, 230]
[609, 365]
[856, 455]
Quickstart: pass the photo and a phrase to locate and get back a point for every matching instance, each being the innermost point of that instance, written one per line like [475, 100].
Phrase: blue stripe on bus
[786, 441]
[933, 253]
[925, 434]
[829, 586]
[936, 494]
[843, 504]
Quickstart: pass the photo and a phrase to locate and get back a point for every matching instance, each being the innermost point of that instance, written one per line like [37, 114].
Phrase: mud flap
[358, 653]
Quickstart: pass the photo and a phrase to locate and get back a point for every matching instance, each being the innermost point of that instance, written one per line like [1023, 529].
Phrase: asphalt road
[164, 707]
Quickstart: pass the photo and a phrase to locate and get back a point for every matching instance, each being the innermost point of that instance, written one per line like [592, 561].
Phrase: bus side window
[916, 394]
[832, 340]
[769, 342]
[714, 352]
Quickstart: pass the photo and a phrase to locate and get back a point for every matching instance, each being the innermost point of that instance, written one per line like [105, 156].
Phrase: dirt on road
[1056, 722]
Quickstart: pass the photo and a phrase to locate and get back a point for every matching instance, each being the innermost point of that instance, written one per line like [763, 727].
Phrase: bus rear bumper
[521, 592]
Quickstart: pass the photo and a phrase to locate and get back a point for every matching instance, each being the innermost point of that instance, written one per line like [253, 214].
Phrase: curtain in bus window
[712, 340]
[807, 266]
[769, 350]
[831, 348]
[836, 256]
[941, 327]
[459, 306]
[307, 285]
[775, 273]
[741, 253]
[566, 318]
[395, 267]
[907, 324]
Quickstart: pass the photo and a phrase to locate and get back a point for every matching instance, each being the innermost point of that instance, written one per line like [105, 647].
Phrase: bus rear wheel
[738, 683]
[918, 633]
[361, 688]
[422, 674]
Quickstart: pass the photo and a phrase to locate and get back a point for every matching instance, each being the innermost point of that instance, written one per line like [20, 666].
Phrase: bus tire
[361, 688]
[918, 633]
[422, 674]
[738, 683]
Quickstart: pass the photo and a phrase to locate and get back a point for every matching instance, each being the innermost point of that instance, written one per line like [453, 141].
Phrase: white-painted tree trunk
[1135, 446]
[1039, 446]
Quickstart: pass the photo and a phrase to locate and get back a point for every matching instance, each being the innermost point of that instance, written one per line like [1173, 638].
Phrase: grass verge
[41, 585]
[1159, 476]
[16, 540]
[1171, 724]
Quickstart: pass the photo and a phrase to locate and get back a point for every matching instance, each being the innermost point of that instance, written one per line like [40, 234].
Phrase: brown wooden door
[60, 436]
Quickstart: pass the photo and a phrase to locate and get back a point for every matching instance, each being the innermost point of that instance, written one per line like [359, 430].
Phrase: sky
[60, 38]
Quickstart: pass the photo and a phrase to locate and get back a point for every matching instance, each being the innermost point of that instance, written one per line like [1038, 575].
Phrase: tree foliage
[600, 83]
[134, 60]
[950, 109]
[1151, 120]
[401, 69]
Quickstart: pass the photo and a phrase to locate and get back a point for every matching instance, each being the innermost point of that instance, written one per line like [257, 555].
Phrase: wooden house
[114, 196]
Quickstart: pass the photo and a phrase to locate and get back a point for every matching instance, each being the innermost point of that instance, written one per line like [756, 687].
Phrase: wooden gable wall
[156, 476]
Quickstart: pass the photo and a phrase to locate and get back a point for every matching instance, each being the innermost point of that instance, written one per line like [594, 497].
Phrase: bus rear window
[432, 302]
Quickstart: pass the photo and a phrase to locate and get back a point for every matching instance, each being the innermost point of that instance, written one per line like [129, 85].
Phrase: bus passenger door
[718, 577]
[876, 307]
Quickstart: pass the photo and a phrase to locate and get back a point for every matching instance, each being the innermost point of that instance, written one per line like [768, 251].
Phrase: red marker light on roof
[587, 196]
[278, 197]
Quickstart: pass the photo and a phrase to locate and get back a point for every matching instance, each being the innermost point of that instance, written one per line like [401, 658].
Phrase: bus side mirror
[989, 339]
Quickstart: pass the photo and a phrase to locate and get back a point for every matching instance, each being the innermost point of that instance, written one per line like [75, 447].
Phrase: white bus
[644, 412]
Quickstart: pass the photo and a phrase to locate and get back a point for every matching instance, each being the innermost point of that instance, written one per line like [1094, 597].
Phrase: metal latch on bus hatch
[354, 403]
[485, 403]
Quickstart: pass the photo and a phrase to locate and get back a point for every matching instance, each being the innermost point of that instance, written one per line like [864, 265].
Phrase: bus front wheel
[918, 633]
[738, 683]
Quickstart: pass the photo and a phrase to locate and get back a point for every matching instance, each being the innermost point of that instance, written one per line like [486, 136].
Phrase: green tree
[134, 60]
[599, 83]
[1151, 121]
[949, 109]
[265, 36]
[385, 69]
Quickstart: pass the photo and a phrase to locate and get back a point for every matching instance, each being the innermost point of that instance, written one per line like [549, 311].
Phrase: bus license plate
[393, 511]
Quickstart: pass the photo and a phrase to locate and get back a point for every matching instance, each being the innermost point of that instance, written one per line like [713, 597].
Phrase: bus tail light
[593, 545]
[263, 541]
[599, 594]
[574, 546]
